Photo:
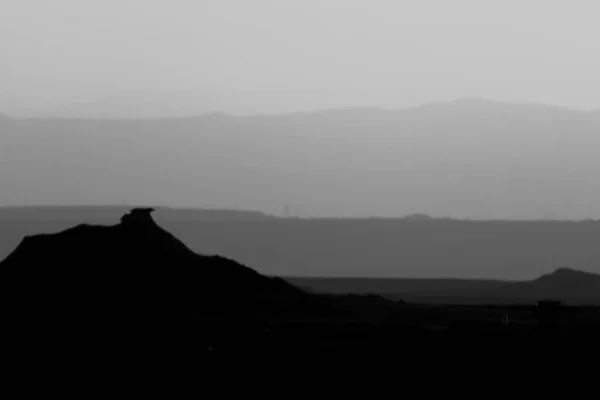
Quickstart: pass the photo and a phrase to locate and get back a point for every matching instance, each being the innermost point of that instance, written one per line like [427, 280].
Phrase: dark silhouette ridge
[133, 288]
[132, 272]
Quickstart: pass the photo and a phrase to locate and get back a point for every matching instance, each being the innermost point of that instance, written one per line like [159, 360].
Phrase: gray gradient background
[149, 58]
[249, 56]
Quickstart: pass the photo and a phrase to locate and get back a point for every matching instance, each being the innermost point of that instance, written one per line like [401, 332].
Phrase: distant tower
[286, 211]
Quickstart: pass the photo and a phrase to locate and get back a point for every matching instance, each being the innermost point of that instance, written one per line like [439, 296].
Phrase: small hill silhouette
[131, 272]
[565, 284]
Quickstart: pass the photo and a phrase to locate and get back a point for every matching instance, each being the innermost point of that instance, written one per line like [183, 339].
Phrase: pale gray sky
[281, 55]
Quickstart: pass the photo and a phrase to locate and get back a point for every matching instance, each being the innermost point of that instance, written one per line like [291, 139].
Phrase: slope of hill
[469, 159]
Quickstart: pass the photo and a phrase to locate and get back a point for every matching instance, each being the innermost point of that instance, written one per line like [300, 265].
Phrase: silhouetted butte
[131, 273]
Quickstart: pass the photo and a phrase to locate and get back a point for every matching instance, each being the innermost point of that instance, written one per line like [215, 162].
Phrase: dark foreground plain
[98, 291]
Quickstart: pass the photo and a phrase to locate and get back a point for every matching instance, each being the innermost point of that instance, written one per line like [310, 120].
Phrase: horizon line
[415, 217]
[216, 113]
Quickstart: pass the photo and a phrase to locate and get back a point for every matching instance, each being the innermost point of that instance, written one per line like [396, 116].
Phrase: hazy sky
[274, 55]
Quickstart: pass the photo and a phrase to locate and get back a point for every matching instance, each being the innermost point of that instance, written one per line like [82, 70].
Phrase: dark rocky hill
[132, 272]
[564, 284]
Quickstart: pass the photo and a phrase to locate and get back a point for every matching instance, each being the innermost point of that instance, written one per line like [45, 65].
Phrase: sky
[269, 56]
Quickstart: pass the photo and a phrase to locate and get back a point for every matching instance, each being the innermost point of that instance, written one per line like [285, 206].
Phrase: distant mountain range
[465, 159]
[167, 106]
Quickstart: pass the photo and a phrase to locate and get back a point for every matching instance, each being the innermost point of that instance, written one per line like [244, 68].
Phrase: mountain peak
[474, 101]
[567, 272]
[138, 216]
[564, 270]
[565, 276]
